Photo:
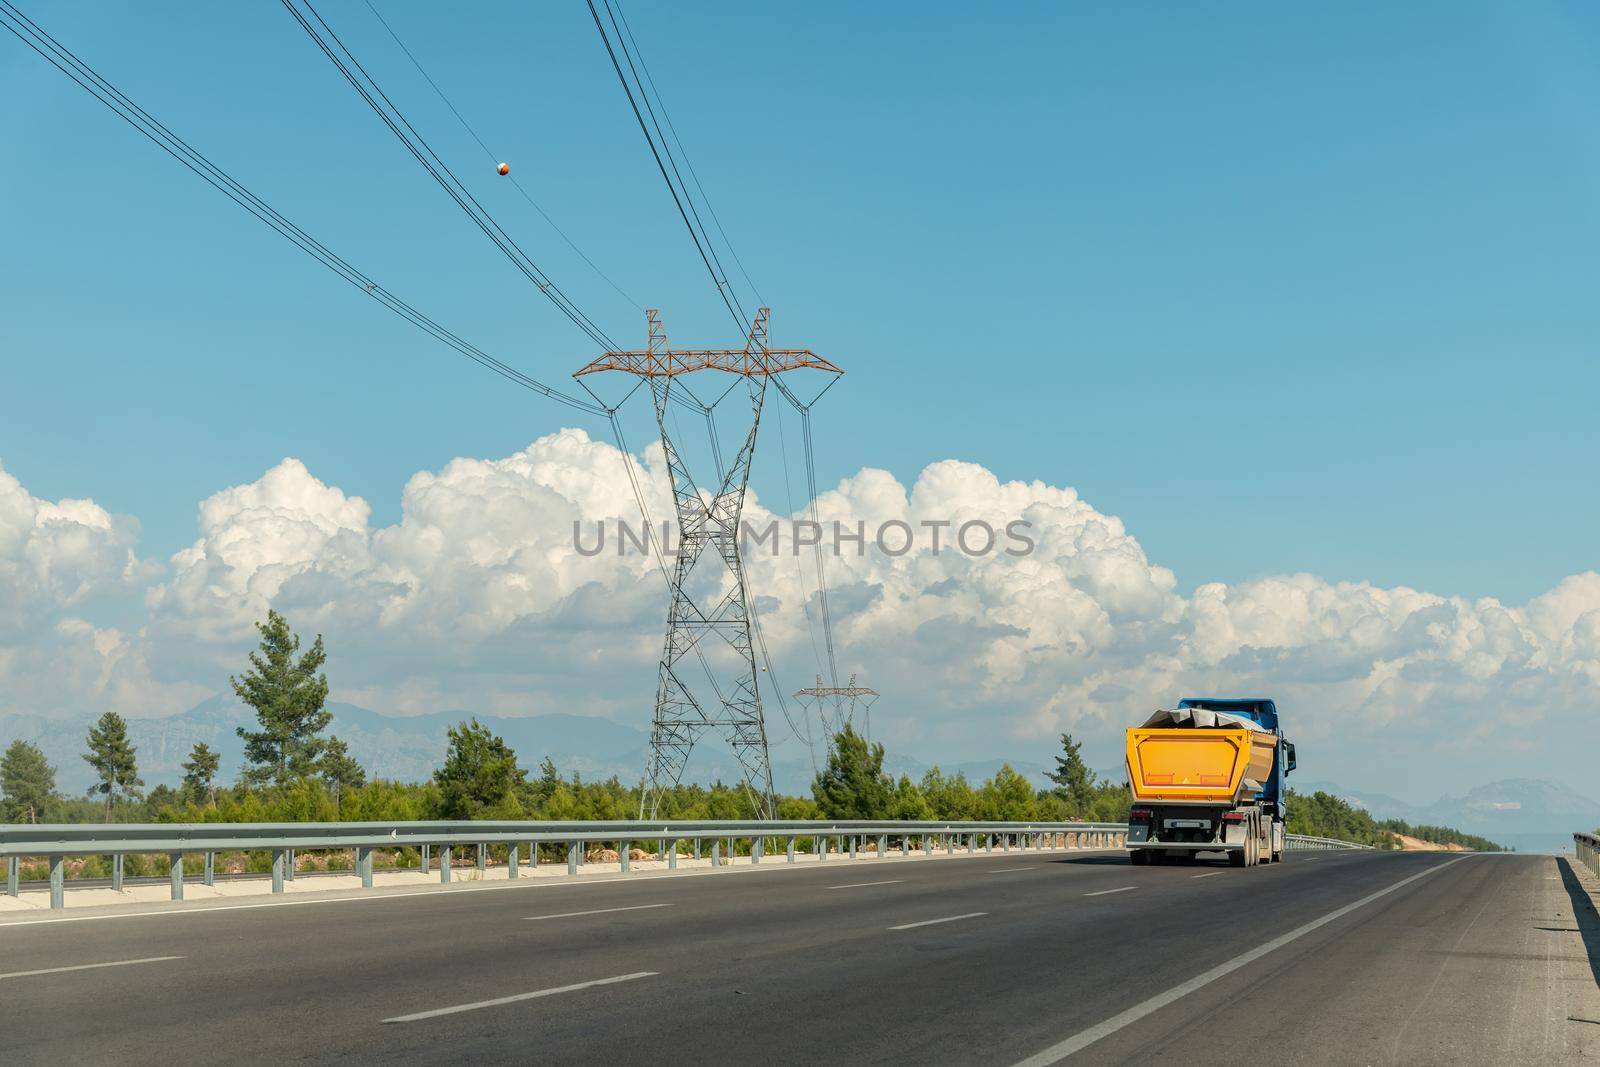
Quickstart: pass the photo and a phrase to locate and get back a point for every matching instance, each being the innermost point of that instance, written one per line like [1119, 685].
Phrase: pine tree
[27, 783]
[1074, 781]
[480, 772]
[288, 695]
[112, 757]
[200, 773]
[339, 770]
[853, 785]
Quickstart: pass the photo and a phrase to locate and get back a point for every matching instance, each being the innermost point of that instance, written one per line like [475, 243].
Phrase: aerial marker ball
[504, 168]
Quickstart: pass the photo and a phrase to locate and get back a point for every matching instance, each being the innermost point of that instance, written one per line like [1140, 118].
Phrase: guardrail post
[533, 856]
[289, 871]
[574, 856]
[670, 848]
[483, 857]
[853, 840]
[883, 846]
[755, 850]
[623, 848]
[444, 863]
[58, 882]
[716, 851]
[279, 861]
[427, 858]
[176, 859]
[364, 865]
[697, 848]
[210, 876]
[116, 873]
[13, 875]
[511, 860]
[821, 844]
[791, 849]
[1005, 843]
[927, 844]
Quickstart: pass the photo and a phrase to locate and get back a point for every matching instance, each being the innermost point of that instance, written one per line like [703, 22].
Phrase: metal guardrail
[1588, 849]
[1306, 841]
[175, 840]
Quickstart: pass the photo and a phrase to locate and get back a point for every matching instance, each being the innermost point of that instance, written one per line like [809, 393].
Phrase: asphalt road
[1009, 958]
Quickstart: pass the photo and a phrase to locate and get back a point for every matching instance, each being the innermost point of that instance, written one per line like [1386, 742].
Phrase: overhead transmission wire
[64, 60]
[710, 208]
[696, 234]
[512, 178]
[418, 146]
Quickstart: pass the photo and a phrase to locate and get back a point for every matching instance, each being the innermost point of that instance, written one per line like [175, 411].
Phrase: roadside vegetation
[295, 772]
[1325, 815]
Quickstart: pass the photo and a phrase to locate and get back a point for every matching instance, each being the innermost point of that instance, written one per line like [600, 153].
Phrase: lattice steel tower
[708, 529]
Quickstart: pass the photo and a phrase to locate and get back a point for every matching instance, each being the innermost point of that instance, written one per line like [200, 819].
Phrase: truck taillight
[1140, 813]
[1233, 816]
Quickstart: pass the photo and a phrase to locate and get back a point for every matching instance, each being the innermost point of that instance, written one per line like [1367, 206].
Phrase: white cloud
[56, 557]
[477, 598]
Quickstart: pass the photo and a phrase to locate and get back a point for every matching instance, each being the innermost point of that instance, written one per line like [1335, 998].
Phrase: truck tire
[1139, 856]
[1236, 858]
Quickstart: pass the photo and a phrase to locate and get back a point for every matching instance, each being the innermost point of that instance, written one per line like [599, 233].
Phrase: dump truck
[1208, 776]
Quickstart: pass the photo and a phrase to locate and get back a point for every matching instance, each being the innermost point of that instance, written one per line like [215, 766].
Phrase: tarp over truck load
[1199, 756]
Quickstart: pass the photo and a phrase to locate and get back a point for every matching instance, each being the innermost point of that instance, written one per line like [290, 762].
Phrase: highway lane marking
[536, 994]
[1208, 874]
[592, 911]
[863, 885]
[1084, 1038]
[1119, 889]
[90, 966]
[935, 922]
[1011, 870]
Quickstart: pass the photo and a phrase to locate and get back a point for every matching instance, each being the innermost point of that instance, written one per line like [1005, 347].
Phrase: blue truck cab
[1275, 790]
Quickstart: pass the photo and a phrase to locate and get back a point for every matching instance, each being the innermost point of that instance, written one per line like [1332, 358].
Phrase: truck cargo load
[1198, 756]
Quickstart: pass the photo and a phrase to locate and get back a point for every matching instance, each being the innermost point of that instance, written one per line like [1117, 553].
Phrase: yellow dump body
[1203, 766]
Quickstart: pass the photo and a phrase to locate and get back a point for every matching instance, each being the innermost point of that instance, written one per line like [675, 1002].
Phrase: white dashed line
[1119, 889]
[495, 1003]
[933, 922]
[89, 966]
[863, 885]
[596, 911]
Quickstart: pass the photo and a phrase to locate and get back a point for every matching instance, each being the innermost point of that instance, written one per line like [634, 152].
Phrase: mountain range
[1528, 814]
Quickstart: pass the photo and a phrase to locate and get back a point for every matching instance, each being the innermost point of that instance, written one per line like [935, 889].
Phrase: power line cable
[418, 146]
[64, 60]
[694, 234]
[515, 183]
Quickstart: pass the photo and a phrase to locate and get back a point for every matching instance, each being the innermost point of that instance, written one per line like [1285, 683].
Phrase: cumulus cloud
[56, 557]
[478, 597]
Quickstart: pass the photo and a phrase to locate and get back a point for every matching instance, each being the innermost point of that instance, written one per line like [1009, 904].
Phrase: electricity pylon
[729, 700]
[847, 700]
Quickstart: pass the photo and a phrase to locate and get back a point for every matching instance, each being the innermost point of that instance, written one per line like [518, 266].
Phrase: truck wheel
[1252, 851]
[1139, 857]
[1236, 858]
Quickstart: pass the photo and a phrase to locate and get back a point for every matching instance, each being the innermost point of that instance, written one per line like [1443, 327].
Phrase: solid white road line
[89, 966]
[593, 911]
[1208, 874]
[863, 885]
[935, 922]
[496, 1002]
[1119, 889]
[1010, 870]
[1083, 1039]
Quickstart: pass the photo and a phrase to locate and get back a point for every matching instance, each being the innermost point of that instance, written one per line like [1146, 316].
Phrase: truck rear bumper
[1186, 846]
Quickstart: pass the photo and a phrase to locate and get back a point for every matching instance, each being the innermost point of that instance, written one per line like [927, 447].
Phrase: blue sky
[1284, 290]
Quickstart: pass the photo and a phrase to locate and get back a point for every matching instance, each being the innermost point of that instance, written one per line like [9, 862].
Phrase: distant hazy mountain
[1531, 814]
[408, 748]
